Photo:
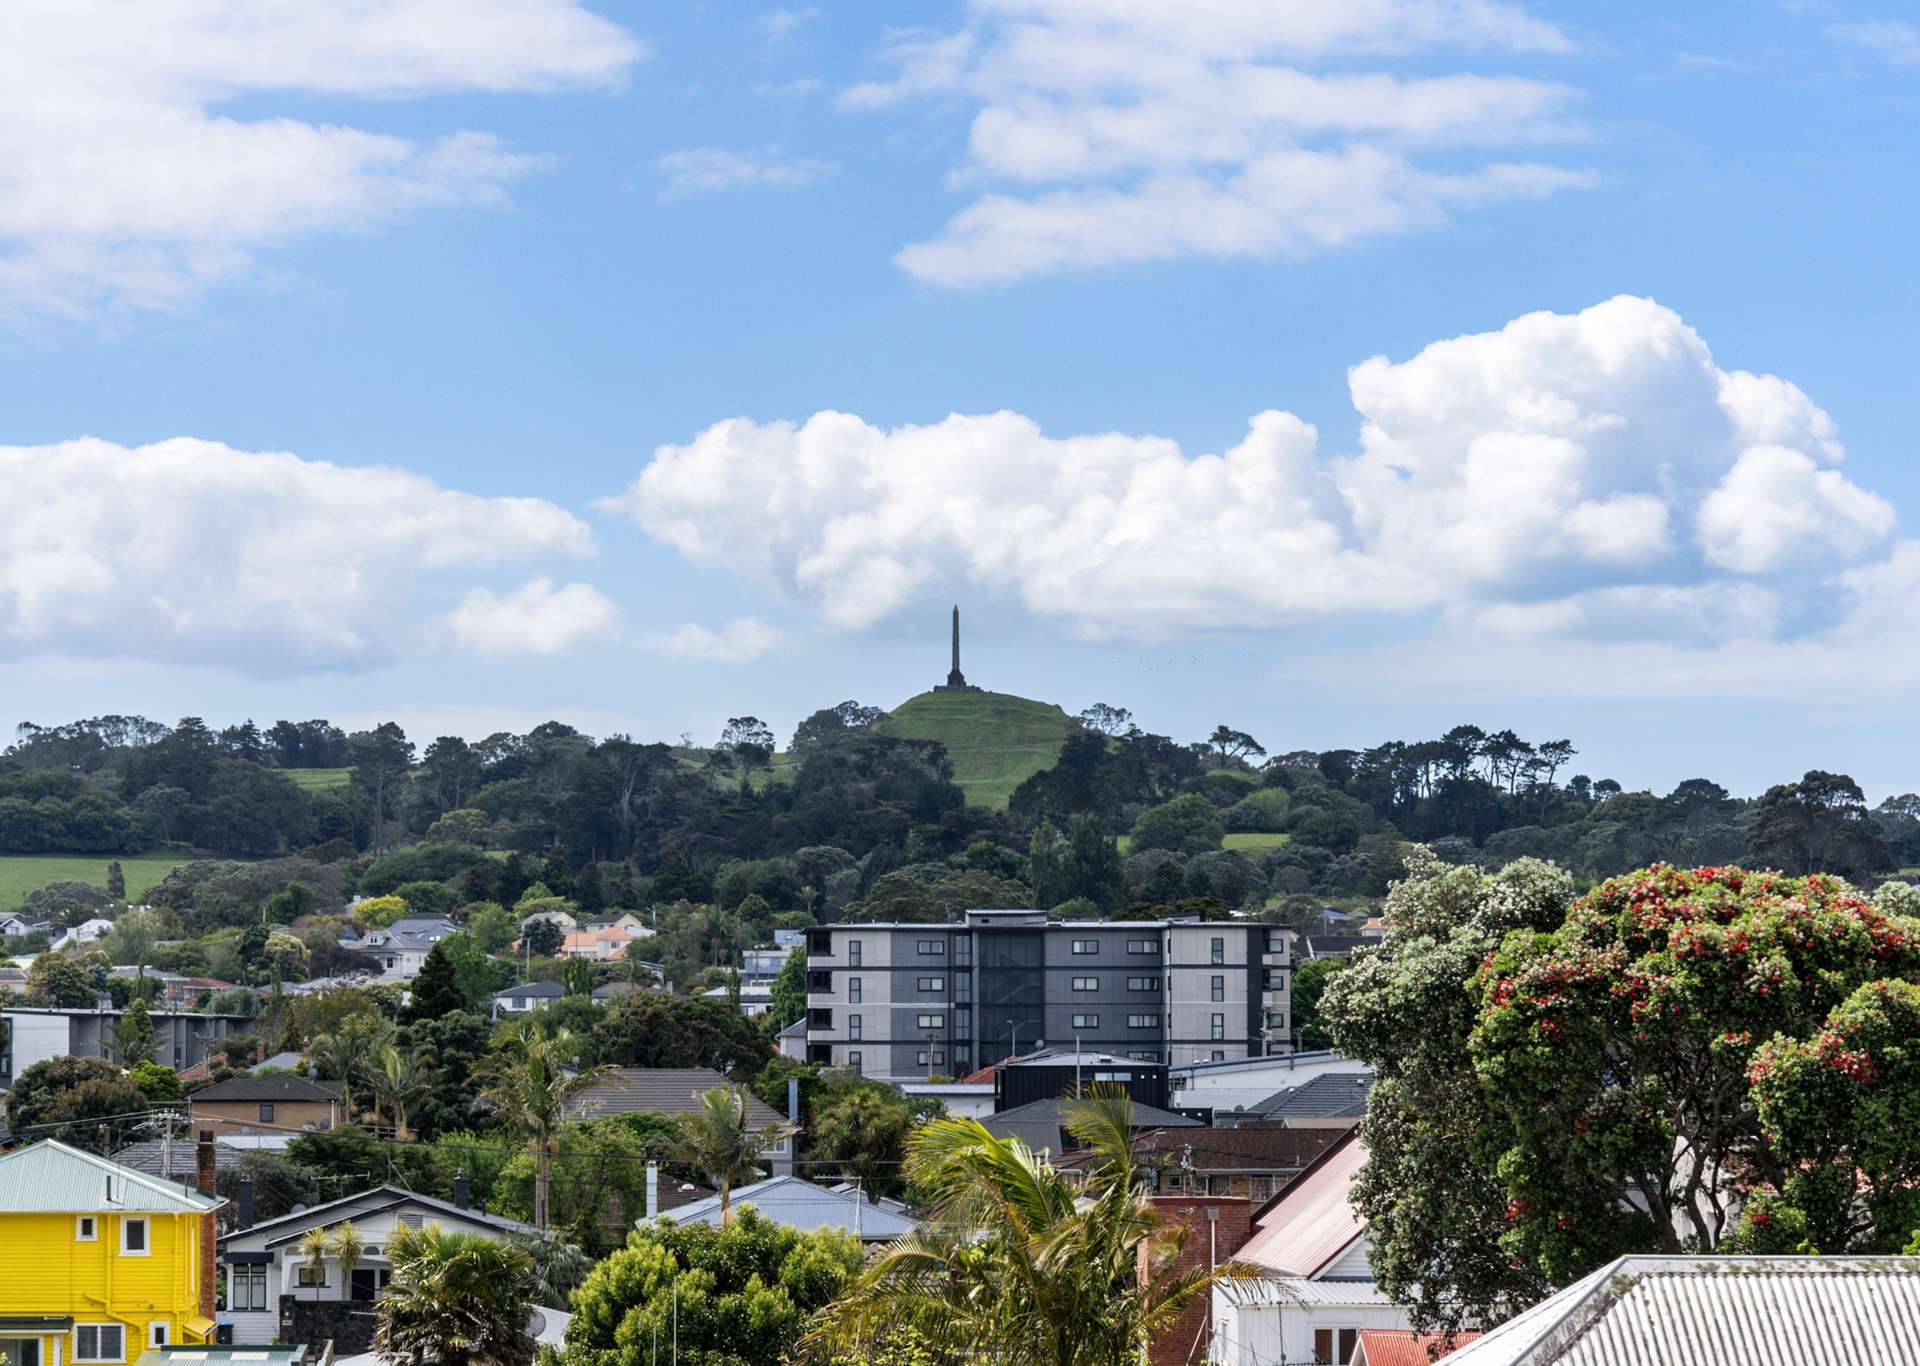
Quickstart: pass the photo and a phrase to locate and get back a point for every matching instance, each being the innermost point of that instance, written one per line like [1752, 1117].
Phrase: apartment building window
[1277, 1021]
[962, 951]
[1145, 1055]
[1143, 984]
[1086, 946]
[853, 1028]
[853, 953]
[99, 1342]
[1276, 941]
[922, 1060]
[930, 1022]
[1219, 1026]
[963, 986]
[1219, 950]
[1218, 988]
[819, 1017]
[1086, 1022]
[963, 1020]
[853, 990]
[932, 984]
[1143, 1022]
[933, 948]
[1143, 946]
[1086, 984]
[1219, 1055]
[853, 1060]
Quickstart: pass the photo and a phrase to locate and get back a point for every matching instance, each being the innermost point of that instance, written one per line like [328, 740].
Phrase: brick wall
[1218, 1237]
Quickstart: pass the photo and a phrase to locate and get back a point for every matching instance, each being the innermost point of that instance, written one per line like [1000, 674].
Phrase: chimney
[653, 1191]
[205, 1174]
[245, 1214]
[462, 1192]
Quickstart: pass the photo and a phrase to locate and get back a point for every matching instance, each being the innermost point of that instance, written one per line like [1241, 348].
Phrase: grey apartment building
[901, 1001]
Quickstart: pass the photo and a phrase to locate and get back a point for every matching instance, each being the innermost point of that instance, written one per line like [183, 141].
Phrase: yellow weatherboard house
[99, 1262]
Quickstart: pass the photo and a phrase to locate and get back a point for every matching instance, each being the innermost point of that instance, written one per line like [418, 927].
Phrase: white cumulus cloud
[536, 618]
[190, 551]
[710, 170]
[738, 642]
[142, 157]
[1590, 472]
[1113, 131]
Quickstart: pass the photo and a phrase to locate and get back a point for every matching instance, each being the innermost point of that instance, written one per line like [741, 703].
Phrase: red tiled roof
[985, 1074]
[1404, 1347]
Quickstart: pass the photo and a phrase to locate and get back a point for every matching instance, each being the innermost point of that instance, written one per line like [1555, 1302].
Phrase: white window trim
[98, 1327]
[127, 1221]
[86, 1228]
[159, 1333]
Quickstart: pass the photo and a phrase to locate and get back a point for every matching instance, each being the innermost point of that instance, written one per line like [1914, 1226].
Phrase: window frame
[127, 1223]
[934, 985]
[853, 1029]
[1086, 1022]
[1219, 951]
[266, 1112]
[1219, 1029]
[1217, 987]
[254, 1276]
[1086, 984]
[1144, 947]
[853, 1058]
[1143, 1021]
[853, 953]
[1084, 946]
[853, 991]
[99, 1330]
[930, 948]
[86, 1228]
[1133, 984]
[302, 1273]
[930, 1021]
[159, 1333]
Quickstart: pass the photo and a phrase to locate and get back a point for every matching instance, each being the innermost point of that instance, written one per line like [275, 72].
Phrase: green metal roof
[51, 1178]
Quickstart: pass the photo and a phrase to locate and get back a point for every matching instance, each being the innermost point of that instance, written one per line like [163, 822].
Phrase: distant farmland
[23, 873]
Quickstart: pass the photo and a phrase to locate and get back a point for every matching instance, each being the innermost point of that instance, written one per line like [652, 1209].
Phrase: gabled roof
[379, 1198]
[1404, 1347]
[1310, 1223]
[150, 1156]
[278, 1086]
[663, 1091]
[1332, 1095]
[50, 1178]
[1038, 1123]
[541, 990]
[808, 1207]
[1714, 1311]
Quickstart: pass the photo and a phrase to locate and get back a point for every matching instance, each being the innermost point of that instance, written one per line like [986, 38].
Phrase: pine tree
[116, 882]
[135, 1034]
[1046, 865]
[1093, 867]
[435, 992]
[557, 873]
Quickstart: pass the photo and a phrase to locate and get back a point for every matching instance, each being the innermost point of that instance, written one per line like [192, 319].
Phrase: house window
[853, 953]
[133, 1238]
[853, 1060]
[312, 1274]
[159, 1333]
[853, 990]
[1219, 988]
[99, 1342]
[1086, 1022]
[934, 984]
[1328, 1341]
[930, 1021]
[86, 1229]
[367, 1283]
[24, 1352]
[1143, 1022]
[1219, 950]
[1143, 946]
[247, 1288]
[1219, 1026]
[853, 1028]
[1086, 946]
[1143, 984]
[266, 1114]
[934, 948]
[1086, 984]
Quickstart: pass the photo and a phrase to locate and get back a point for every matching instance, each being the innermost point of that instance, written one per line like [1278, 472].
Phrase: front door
[19, 1352]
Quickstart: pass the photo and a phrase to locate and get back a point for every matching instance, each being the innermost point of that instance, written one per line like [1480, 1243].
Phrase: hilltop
[996, 740]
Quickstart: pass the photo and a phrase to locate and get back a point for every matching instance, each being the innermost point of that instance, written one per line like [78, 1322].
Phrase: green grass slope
[23, 873]
[319, 779]
[996, 740]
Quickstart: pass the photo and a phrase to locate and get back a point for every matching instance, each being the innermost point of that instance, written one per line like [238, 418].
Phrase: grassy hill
[996, 740]
[23, 873]
[319, 779]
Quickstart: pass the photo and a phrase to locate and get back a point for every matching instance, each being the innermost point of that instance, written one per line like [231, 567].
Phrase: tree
[85, 1102]
[1620, 1054]
[491, 926]
[1309, 985]
[748, 742]
[1015, 1263]
[1093, 869]
[1231, 745]
[861, 1132]
[158, 1083]
[543, 938]
[655, 1029]
[1106, 720]
[1818, 824]
[133, 1036]
[740, 1295]
[1189, 824]
[1047, 864]
[346, 1054]
[721, 1141]
[435, 991]
[57, 979]
[287, 954]
[400, 1081]
[529, 1086]
[116, 881]
[455, 1299]
[382, 758]
[1434, 1213]
[788, 1001]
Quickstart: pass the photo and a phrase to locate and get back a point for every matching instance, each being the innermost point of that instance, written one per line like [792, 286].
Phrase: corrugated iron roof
[660, 1090]
[802, 1205]
[51, 1178]
[1719, 1311]
[1313, 1221]
[1404, 1347]
[1300, 1291]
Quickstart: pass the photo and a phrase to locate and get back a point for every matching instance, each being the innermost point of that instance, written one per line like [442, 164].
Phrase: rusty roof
[1313, 1220]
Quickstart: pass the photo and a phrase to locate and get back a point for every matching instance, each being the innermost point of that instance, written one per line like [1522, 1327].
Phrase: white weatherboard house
[1315, 1291]
[264, 1266]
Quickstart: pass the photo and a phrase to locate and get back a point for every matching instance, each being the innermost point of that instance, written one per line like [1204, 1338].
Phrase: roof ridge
[159, 1185]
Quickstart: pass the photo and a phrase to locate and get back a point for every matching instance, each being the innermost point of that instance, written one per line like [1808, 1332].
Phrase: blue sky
[514, 248]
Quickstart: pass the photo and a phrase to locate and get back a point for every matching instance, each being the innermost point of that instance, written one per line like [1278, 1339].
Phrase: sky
[1340, 371]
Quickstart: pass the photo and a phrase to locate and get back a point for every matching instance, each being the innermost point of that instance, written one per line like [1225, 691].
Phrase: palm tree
[1017, 1265]
[315, 1244]
[399, 1082]
[345, 1054]
[720, 1140]
[347, 1247]
[529, 1086]
[455, 1299]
